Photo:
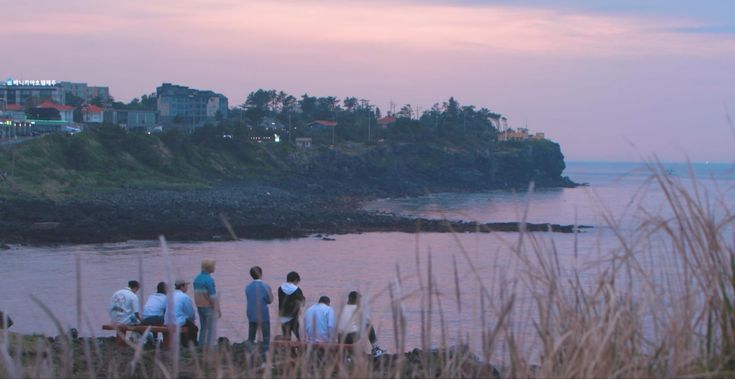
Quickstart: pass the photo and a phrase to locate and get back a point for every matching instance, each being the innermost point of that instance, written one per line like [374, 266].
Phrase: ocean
[382, 266]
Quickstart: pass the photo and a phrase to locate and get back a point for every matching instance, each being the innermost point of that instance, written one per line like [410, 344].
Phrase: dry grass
[662, 305]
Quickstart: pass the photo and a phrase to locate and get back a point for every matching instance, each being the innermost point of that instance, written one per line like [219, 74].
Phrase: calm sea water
[371, 263]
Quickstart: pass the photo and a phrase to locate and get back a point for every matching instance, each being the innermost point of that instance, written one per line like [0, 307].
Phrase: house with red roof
[321, 124]
[15, 112]
[386, 121]
[65, 111]
[92, 114]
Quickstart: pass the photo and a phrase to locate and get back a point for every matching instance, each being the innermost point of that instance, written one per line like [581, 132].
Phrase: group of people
[320, 323]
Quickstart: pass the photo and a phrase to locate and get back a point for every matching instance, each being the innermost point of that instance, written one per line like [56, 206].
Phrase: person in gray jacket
[258, 296]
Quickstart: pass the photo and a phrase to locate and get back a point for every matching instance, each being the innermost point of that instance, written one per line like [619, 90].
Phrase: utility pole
[289, 124]
[370, 116]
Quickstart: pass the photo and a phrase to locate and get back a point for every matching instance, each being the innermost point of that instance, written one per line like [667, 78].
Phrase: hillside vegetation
[108, 157]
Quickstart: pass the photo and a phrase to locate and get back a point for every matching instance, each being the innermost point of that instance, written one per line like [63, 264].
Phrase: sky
[608, 80]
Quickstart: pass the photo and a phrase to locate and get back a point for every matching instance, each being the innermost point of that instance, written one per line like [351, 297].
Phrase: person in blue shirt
[258, 296]
[205, 297]
[319, 322]
[183, 314]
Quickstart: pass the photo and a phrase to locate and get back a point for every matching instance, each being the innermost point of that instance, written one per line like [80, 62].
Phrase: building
[521, 134]
[86, 92]
[13, 112]
[321, 124]
[66, 112]
[303, 142]
[131, 118]
[189, 107]
[92, 114]
[386, 122]
[28, 92]
[99, 92]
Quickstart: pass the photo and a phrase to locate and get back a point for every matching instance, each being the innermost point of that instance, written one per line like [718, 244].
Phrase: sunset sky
[609, 80]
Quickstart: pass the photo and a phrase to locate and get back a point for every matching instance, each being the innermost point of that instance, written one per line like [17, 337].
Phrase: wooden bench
[121, 329]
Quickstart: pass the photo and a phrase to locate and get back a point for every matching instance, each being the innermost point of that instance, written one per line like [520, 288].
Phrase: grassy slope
[108, 158]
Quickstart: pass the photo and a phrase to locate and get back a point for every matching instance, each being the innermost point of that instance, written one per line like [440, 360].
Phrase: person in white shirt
[155, 306]
[184, 314]
[154, 309]
[353, 320]
[125, 306]
[319, 322]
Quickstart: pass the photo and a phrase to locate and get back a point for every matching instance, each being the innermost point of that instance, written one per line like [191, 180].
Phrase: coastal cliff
[106, 184]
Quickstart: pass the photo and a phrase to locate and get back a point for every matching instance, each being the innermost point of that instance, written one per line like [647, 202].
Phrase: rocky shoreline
[71, 356]
[252, 210]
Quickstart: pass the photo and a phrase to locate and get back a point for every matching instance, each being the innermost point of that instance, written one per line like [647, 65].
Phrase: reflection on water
[617, 189]
[365, 262]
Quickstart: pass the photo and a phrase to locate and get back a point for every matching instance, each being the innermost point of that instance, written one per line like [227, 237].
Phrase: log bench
[121, 329]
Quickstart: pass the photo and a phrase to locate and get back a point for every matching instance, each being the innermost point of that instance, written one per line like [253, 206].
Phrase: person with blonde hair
[205, 297]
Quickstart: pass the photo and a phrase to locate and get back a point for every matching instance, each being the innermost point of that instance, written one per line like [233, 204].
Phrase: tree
[350, 103]
[99, 102]
[405, 112]
[308, 106]
[326, 107]
[73, 100]
[451, 112]
[149, 101]
[258, 104]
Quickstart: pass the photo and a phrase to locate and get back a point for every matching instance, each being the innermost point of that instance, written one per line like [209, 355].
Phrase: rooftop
[58, 107]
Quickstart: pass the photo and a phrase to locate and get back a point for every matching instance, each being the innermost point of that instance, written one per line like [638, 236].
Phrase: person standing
[205, 297]
[258, 295]
[125, 306]
[353, 320]
[319, 322]
[184, 312]
[290, 301]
